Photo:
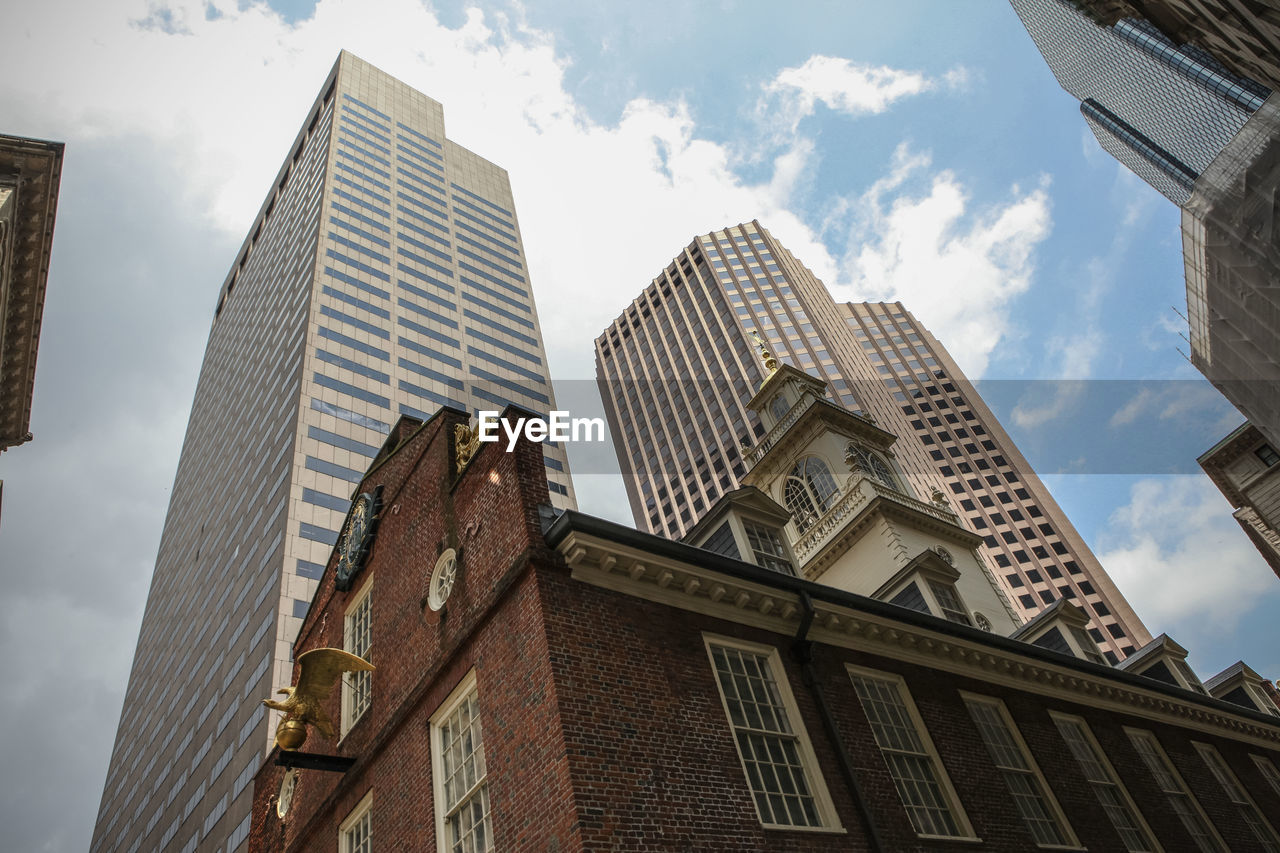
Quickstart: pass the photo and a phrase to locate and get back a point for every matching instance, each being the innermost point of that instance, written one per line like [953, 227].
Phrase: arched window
[810, 491]
[871, 464]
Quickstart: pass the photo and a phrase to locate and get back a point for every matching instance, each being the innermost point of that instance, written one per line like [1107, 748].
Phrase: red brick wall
[492, 622]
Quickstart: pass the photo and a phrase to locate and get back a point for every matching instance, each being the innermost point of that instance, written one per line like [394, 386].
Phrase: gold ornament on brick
[319, 671]
[466, 441]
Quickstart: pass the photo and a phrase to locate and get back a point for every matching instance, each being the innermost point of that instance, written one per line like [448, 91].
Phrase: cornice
[913, 638]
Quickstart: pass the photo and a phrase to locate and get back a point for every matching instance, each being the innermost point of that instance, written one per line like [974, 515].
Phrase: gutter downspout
[802, 650]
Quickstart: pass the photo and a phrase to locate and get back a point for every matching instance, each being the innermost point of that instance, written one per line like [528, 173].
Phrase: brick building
[550, 681]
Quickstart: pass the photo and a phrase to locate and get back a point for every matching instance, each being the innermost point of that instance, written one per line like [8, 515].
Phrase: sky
[917, 150]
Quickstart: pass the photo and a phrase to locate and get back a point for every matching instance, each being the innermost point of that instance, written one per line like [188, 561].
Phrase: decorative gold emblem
[770, 363]
[304, 706]
[466, 441]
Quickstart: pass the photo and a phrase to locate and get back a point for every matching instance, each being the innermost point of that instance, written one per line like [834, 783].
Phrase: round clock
[357, 537]
[287, 786]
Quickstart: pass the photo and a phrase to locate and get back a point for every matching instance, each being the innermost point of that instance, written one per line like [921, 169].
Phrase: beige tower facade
[678, 368]
[384, 275]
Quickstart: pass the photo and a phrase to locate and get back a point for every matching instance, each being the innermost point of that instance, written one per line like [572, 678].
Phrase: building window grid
[1108, 789]
[775, 754]
[913, 763]
[1253, 818]
[1181, 802]
[1037, 808]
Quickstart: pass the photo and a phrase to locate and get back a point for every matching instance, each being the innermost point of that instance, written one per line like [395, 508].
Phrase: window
[767, 547]
[949, 602]
[357, 638]
[1267, 454]
[870, 463]
[1031, 795]
[809, 491]
[1111, 794]
[1235, 792]
[463, 821]
[777, 758]
[1181, 802]
[355, 833]
[923, 786]
[1268, 771]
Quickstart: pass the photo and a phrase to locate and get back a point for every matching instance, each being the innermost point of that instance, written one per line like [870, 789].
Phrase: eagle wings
[319, 671]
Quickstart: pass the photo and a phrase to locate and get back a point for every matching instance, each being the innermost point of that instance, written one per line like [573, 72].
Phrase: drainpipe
[802, 650]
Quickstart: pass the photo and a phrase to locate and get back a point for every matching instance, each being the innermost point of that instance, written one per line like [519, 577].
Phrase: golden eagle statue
[320, 669]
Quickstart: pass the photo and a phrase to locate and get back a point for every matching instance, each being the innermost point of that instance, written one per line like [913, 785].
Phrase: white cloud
[847, 87]
[956, 268]
[1182, 560]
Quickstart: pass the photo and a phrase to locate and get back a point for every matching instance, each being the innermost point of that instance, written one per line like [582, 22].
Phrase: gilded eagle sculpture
[304, 706]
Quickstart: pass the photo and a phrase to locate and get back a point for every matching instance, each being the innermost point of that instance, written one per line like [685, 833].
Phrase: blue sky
[912, 150]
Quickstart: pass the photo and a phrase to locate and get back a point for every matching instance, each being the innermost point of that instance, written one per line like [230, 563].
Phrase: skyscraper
[1162, 109]
[383, 275]
[1034, 547]
[677, 368]
[1244, 35]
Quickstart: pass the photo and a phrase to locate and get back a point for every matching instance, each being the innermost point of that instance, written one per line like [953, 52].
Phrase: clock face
[357, 537]
[287, 786]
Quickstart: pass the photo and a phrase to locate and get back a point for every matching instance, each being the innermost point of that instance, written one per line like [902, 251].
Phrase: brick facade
[603, 727]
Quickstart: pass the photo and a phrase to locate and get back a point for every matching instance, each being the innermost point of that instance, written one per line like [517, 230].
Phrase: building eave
[629, 562]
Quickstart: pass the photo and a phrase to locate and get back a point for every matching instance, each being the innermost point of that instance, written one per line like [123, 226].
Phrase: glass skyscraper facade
[678, 366]
[384, 275]
[1163, 110]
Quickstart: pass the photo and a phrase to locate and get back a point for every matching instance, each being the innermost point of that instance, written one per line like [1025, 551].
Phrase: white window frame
[1253, 816]
[1268, 770]
[1113, 780]
[828, 820]
[1142, 734]
[362, 811]
[350, 680]
[943, 779]
[460, 694]
[1046, 791]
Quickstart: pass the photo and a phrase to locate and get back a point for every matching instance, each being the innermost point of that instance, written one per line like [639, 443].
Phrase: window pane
[911, 766]
[766, 739]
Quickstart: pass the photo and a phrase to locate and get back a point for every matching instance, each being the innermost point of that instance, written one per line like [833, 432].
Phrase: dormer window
[870, 464]
[1242, 686]
[949, 602]
[767, 548]
[1164, 660]
[1060, 627]
[928, 584]
[809, 492]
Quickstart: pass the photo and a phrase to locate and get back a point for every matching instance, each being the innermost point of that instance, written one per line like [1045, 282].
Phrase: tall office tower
[1028, 539]
[1243, 35]
[677, 368]
[1154, 82]
[383, 275]
[1163, 110]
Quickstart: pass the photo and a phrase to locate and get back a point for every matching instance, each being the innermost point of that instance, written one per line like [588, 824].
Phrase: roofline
[1223, 442]
[572, 521]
